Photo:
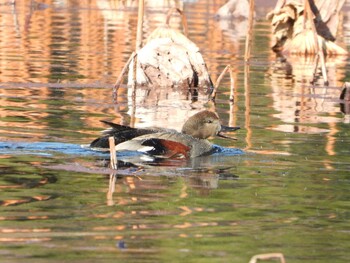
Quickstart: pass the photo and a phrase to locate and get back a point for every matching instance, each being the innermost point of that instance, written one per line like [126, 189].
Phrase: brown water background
[288, 193]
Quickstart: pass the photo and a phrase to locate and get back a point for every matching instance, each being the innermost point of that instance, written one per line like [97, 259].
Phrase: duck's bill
[226, 137]
[227, 129]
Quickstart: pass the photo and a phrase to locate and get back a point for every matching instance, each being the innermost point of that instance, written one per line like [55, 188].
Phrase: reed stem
[113, 154]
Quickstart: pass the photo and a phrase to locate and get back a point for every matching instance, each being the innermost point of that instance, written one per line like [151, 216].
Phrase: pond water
[288, 192]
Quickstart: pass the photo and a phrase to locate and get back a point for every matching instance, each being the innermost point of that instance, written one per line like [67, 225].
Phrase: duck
[191, 142]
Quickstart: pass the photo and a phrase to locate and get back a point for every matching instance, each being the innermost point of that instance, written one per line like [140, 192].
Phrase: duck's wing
[161, 148]
[121, 133]
[115, 128]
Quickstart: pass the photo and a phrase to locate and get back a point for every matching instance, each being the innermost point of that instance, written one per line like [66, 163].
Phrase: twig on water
[268, 256]
[113, 154]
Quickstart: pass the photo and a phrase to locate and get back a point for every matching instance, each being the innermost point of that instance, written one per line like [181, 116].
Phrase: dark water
[288, 193]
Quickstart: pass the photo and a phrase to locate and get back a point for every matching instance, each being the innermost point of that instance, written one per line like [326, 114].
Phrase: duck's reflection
[201, 174]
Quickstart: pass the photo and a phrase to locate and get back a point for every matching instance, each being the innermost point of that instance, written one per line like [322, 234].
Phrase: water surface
[60, 202]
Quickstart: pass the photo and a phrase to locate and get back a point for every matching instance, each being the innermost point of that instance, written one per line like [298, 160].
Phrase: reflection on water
[156, 106]
[59, 201]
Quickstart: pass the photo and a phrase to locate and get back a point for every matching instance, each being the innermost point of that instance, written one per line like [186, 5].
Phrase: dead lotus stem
[111, 188]
[315, 36]
[316, 46]
[121, 75]
[268, 256]
[183, 19]
[213, 94]
[250, 30]
[139, 25]
[323, 67]
[112, 151]
[315, 68]
[232, 85]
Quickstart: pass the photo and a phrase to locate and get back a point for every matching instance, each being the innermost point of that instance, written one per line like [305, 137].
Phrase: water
[60, 202]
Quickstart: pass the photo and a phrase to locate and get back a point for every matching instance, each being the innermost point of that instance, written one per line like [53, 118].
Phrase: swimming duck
[166, 143]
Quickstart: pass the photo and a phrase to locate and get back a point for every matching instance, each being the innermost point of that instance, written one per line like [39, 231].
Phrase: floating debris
[169, 58]
[268, 256]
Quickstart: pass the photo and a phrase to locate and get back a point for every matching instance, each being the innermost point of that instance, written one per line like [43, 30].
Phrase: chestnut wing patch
[166, 148]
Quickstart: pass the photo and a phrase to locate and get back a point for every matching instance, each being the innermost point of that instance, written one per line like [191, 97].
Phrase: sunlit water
[283, 186]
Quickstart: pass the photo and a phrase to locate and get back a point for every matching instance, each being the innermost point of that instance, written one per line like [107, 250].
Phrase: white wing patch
[145, 149]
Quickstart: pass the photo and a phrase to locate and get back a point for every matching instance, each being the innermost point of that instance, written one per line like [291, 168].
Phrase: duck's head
[205, 124]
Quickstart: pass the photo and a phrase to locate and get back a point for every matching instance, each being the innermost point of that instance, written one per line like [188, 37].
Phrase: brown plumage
[165, 143]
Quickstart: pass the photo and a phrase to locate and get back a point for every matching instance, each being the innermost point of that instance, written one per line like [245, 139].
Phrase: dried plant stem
[113, 154]
[247, 107]
[133, 106]
[183, 19]
[317, 42]
[320, 57]
[111, 188]
[217, 84]
[139, 25]
[232, 85]
[323, 67]
[248, 40]
[133, 97]
[139, 35]
[133, 54]
[268, 256]
[121, 75]
[314, 72]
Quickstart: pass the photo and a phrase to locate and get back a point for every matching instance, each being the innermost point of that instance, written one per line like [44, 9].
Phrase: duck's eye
[209, 121]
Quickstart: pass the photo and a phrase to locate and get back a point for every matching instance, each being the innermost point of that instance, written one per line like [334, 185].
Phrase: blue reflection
[46, 148]
[50, 148]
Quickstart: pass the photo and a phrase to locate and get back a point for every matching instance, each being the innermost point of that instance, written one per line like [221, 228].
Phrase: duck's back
[120, 133]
